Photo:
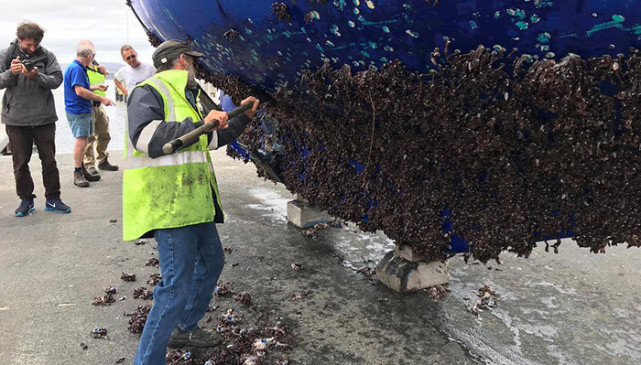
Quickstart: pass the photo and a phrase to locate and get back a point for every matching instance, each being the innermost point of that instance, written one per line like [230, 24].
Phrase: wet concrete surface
[570, 308]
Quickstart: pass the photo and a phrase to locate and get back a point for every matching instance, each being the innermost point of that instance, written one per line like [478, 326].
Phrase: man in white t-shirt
[134, 73]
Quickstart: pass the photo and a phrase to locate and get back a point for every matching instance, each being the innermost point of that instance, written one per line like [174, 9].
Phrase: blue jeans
[191, 260]
[81, 124]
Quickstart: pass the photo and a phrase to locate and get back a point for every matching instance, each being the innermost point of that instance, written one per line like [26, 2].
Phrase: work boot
[105, 165]
[25, 208]
[92, 170]
[196, 338]
[57, 206]
[89, 176]
[79, 180]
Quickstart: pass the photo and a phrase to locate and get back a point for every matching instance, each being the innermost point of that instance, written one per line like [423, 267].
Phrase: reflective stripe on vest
[174, 159]
[170, 110]
[146, 135]
[137, 162]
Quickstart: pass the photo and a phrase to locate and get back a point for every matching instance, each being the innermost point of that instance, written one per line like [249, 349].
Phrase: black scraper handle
[176, 144]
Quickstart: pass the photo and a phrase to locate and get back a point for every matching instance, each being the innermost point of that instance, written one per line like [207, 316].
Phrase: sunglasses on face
[133, 56]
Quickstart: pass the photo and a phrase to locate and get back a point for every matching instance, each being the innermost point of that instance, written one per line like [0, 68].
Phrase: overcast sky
[107, 23]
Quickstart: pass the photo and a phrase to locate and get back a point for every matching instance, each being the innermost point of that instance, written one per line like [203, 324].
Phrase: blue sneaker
[57, 206]
[25, 208]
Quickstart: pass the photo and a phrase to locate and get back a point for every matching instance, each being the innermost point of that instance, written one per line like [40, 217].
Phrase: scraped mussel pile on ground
[517, 149]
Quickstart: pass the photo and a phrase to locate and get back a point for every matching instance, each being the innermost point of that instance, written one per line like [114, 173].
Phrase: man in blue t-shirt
[78, 97]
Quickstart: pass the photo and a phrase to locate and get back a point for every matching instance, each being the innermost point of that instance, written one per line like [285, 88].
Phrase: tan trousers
[100, 135]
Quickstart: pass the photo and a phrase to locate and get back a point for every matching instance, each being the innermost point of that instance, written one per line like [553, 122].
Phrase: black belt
[95, 103]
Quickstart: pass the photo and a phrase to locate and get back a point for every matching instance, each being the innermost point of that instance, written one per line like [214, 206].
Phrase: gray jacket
[29, 102]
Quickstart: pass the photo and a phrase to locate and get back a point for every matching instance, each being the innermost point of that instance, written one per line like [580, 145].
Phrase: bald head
[85, 49]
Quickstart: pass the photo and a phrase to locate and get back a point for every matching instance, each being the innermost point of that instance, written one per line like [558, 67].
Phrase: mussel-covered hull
[501, 122]
[266, 43]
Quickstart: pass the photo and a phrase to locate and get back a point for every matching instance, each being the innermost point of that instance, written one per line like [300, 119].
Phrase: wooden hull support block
[404, 271]
[303, 215]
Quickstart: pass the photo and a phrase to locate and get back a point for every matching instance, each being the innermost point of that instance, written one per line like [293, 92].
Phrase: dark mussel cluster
[517, 149]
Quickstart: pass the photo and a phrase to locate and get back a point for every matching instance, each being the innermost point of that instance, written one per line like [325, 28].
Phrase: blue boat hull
[392, 114]
[247, 39]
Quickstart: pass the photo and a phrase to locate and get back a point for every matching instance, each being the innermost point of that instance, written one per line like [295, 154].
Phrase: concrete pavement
[570, 308]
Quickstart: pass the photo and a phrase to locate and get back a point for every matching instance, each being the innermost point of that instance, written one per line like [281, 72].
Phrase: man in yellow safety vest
[175, 198]
[101, 136]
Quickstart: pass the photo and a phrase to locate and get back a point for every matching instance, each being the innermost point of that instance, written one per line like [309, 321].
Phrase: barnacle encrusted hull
[512, 147]
[515, 156]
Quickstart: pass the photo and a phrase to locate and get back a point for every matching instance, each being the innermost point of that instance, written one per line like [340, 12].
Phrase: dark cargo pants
[22, 140]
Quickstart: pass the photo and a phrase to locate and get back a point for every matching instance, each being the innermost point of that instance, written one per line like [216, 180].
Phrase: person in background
[29, 72]
[135, 72]
[96, 74]
[175, 198]
[78, 98]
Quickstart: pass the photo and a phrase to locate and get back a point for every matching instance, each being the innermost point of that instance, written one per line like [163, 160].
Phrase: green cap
[170, 50]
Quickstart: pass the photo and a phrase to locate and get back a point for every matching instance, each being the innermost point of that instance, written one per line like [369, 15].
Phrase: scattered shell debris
[244, 298]
[128, 277]
[143, 293]
[312, 232]
[437, 291]
[488, 299]
[138, 318]
[107, 298]
[154, 279]
[99, 332]
[221, 289]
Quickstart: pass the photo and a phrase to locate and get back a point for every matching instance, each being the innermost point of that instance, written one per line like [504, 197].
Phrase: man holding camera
[78, 97]
[29, 72]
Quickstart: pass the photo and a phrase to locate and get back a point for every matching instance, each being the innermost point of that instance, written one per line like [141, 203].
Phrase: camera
[28, 64]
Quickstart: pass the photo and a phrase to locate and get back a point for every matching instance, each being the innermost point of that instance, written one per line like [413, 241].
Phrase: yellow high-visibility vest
[170, 191]
[96, 78]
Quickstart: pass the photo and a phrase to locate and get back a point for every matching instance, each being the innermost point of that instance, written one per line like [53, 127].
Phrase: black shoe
[57, 206]
[79, 180]
[105, 165]
[89, 176]
[196, 338]
[25, 208]
[92, 170]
